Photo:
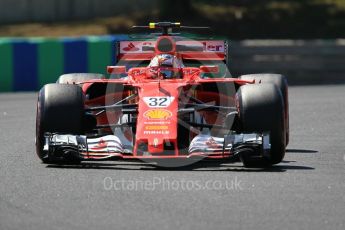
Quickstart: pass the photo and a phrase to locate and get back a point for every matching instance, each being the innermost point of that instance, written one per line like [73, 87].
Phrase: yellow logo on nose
[157, 114]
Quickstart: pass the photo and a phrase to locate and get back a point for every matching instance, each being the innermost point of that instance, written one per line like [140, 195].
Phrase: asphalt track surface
[305, 191]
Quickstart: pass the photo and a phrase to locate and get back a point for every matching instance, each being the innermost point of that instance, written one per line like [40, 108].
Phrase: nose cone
[157, 115]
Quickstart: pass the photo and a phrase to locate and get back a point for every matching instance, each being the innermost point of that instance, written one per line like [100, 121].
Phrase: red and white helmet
[169, 66]
[166, 60]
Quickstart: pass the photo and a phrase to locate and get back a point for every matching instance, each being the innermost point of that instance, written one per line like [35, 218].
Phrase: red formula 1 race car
[168, 99]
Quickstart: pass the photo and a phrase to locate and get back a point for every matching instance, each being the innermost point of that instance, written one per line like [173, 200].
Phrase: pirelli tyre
[261, 109]
[60, 109]
[281, 82]
[73, 78]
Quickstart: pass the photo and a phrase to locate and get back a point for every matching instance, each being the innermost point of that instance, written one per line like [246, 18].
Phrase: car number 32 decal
[158, 102]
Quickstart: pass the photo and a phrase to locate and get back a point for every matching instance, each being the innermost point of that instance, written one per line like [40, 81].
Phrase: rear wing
[189, 50]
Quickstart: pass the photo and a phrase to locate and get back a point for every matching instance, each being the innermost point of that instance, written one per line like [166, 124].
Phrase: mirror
[116, 69]
[209, 69]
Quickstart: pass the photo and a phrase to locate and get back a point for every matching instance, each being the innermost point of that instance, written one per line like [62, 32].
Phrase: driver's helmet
[166, 66]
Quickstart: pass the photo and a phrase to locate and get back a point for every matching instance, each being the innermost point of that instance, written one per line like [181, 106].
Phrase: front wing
[111, 147]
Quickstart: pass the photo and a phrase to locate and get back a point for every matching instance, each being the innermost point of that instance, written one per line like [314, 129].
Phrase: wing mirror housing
[116, 69]
[209, 69]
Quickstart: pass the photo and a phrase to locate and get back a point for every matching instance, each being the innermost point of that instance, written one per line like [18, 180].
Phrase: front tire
[60, 109]
[261, 109]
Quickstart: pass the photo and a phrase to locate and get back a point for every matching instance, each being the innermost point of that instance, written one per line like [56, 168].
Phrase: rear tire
[60, 109]
[73, 78]
[261, 109]
[281, 82]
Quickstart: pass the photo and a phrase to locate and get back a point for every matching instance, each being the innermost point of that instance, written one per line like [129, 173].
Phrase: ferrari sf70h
[168, 98]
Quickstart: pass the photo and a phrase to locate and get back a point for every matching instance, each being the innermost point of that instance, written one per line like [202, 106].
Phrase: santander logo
[131, 48]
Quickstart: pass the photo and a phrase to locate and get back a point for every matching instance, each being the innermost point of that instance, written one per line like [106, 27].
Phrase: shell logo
[157, 114]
